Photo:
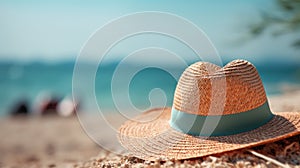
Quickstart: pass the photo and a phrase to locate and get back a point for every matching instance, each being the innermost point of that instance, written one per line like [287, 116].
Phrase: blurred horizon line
[114, 62]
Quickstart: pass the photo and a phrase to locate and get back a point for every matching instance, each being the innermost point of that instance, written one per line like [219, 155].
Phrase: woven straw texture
[206, 89]
[156, 139]
[238, 83]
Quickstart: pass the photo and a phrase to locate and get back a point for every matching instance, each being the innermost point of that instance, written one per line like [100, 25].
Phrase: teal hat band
[221, 125]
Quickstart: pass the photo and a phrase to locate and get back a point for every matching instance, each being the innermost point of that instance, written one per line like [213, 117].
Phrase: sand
[61, 142]
[43, 142]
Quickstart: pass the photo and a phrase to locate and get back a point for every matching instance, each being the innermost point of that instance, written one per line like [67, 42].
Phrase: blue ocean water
[27, 80]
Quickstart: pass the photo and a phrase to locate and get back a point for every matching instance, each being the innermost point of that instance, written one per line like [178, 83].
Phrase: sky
[56, 31]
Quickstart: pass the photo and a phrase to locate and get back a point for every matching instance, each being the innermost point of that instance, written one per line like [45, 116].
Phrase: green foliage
[286, 20]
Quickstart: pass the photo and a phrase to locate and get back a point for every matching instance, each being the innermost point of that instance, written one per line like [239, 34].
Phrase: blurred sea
[28, 80]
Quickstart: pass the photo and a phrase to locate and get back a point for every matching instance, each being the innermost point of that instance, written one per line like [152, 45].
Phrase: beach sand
[61, 142]
[43, 142]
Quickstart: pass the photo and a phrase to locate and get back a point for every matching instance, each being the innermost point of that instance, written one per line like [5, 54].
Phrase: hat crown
[207, 89]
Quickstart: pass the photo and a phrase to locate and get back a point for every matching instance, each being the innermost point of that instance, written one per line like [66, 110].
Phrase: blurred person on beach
[67, 107]
[20, 108]
[46, 104]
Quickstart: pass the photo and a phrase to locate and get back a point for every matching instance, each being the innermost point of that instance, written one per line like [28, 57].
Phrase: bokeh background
[40, 40]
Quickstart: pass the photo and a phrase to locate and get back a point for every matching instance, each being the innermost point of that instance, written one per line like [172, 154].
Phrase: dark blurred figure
[49, 107]
[21, 108]
[47, 104]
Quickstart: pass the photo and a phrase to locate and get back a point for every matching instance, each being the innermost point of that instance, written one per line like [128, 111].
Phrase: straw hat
[215, 110]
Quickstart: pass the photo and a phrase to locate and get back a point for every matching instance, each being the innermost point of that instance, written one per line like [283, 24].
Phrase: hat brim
[156, 139]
